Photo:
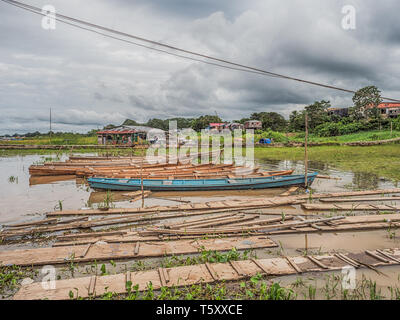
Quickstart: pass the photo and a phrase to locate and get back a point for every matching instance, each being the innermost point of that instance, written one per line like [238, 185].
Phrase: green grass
[360, 136]
[383, 160]
[63, 140]
[279, 137]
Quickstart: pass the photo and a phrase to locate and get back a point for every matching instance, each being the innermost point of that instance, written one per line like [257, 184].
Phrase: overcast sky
[90, 81]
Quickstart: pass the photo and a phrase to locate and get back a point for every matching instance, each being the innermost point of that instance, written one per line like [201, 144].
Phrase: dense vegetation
[363, 116]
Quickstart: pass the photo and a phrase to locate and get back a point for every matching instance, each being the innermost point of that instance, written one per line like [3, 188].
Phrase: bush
[277, 137]
[396, 124]
[332, 129]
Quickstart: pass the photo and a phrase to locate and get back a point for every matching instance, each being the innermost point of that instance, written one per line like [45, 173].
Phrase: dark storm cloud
[90, 81]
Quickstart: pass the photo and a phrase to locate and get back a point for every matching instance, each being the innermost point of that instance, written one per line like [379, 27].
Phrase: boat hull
[201, 184]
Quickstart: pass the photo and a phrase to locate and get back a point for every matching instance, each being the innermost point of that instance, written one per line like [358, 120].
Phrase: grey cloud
[90, 81]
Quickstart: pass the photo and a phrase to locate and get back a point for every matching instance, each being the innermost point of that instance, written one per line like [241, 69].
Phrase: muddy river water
[25, 199]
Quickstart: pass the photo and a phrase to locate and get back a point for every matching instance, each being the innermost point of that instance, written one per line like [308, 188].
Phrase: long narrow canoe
[201, 184]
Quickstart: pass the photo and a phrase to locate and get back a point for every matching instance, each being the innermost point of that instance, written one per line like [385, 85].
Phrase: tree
[297, 121]
[129, 122]
[366, 99]
[158, 123]
[317, 113]
[204, 121]
[109, 127]
[270, 120]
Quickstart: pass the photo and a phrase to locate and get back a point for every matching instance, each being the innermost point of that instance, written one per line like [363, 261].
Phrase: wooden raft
[350, 207]
[105, 251]
[355, 223]
[255, 203]
[95, 286]
[250, 203]
[361, 199]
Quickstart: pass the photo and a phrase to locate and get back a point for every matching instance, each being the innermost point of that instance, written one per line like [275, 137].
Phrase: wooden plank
[179, 276]
[212, 272]
[376, 256]
[347, 207]
[241, 229]
[347, 260]
[289, 192]
[92, 286]
[237, 268]
[191, 222]
[294, 265]
[360, 199]
[33, 223]
[104, 251]
[137, 247]
[385, 254]
[352, 223]
[317, 262]
[350, 194]
[327, 177]
[86, 250]
[240, 204]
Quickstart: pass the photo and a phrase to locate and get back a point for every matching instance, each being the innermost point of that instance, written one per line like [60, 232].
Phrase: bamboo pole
[306, 152]
[141, 181]
[306, 172]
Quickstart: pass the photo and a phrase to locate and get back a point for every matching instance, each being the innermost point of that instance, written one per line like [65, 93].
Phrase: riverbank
[384, 160]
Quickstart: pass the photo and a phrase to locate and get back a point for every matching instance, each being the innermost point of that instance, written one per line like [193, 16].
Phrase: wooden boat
[201, 184]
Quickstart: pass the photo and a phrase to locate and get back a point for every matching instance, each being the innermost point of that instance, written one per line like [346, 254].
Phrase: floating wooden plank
[349, 194]
[290, 191]
[327, 177]
[360, 199]
[251, 203]
[113, 220]
[224, 221]
[240, 229]
[353, 223]
[348, 207]
[104, 251]
[196, 274]
[192, 222]
[33, 223]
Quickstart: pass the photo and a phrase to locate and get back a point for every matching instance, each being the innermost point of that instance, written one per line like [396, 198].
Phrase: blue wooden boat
[201, 184]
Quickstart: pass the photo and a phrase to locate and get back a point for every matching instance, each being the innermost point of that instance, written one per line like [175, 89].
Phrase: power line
[144, 46]
[241, 66]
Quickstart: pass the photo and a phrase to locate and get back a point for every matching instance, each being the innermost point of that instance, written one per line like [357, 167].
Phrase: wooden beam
[99, 252]
[185, 276]
[348, 207]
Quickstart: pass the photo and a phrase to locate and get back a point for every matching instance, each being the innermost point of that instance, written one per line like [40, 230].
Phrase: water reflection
[31, 197]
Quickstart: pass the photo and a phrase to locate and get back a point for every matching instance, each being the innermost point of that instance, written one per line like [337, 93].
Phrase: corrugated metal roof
[129, 129]
[388, 105]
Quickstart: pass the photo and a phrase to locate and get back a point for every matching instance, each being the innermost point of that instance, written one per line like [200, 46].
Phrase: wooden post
[391, 127]
[306, 171]
[306, 152]
[141, 179]
[50, 126]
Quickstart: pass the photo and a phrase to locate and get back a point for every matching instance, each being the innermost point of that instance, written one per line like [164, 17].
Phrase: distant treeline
[320, 122]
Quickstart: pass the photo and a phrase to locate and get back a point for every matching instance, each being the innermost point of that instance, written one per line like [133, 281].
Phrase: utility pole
[306, 152]
[391, 128]
[50, 126]
[306, 171]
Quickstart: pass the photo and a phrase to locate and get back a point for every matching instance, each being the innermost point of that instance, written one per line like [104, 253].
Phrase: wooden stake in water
[391, 128]
[306, 171]
[141, 180]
